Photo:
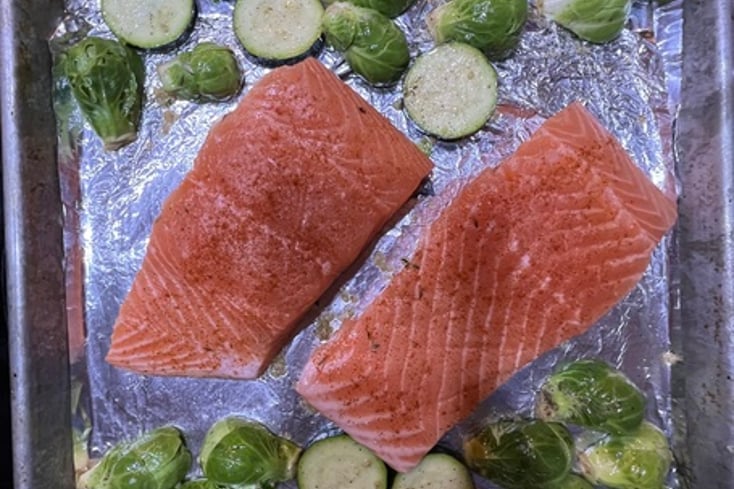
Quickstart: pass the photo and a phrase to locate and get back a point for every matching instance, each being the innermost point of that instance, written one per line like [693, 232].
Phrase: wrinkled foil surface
[112, 198]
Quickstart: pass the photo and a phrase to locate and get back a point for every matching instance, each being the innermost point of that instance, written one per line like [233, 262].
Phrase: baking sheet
[112, 199]
[704, 305]
[33, 251]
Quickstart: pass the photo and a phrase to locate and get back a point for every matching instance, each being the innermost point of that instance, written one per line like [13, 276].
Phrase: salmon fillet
[526, 257]
[285, 193]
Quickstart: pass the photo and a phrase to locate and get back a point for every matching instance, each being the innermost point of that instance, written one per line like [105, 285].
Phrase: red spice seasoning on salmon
[285, 193]
[526, 257]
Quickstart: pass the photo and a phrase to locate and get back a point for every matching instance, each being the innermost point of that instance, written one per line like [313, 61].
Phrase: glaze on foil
[112, 198]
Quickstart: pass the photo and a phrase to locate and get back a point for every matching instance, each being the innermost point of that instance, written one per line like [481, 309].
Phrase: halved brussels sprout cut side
[106, 79]
[594, 395]
[640, 460]
[522, 454]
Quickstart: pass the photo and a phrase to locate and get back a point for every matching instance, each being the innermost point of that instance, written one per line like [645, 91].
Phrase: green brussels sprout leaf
[592, 394]
[208, 73]
[640, 460]
[237, 451]
[390, 8]
[201, 484]
[522, 455]
[596, 21]
[106, 79]
[374, 47]
[157, 460]
[492, 26]
[207, 484]
[573, 481]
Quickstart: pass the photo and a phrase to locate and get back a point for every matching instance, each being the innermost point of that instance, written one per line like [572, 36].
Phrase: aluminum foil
[112, 198]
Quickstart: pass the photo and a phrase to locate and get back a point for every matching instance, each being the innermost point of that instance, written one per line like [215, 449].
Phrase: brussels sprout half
[238, 451]
[522, 455]
[207, 484]
[373, 45]
[492, 26]
[391, 8]
[201, 484]
[208, 73]
[640, 460]
[106, 79]
[157, 460]
[596, 21]
[592, 394]
[573, 481]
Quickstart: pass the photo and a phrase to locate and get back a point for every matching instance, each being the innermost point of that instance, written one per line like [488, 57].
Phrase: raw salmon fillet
[526, 257]
[286, 192]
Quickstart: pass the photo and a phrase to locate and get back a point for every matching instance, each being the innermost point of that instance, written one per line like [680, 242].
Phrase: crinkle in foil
[112, 198]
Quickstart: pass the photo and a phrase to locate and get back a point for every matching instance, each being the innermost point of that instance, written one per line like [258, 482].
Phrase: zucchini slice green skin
[149, 24]
[436, 470]
[278, 31]
[450, 91]
[339, 462]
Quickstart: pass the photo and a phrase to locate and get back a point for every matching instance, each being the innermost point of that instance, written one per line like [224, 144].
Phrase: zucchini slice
[436, 470]
[451, 91]
[148, 24]
[278, 30]
[340, 463]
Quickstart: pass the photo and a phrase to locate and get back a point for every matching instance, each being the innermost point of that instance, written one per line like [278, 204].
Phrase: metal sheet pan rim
[703, 325]
[22, 288]
[35, 288]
